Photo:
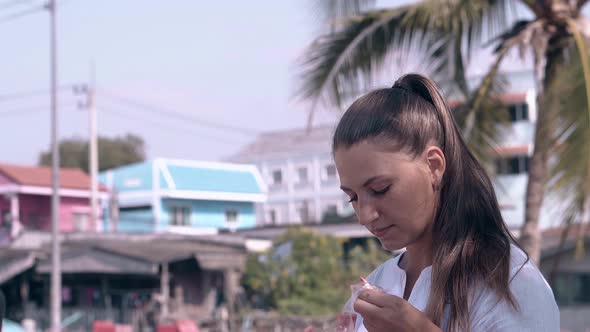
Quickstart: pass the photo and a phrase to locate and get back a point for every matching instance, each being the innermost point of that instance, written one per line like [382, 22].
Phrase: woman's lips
[381, 231]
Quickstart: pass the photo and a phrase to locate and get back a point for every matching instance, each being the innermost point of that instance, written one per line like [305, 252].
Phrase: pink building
[25, 199]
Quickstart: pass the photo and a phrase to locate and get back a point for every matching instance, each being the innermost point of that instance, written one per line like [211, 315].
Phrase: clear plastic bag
[356, 289]
[346, 320]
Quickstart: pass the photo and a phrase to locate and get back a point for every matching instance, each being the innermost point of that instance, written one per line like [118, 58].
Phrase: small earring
[436, 186]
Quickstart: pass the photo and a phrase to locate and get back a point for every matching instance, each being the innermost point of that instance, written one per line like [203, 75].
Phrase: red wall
[35, 211]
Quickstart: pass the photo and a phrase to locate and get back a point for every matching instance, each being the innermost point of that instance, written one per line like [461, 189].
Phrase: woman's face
[394, 195]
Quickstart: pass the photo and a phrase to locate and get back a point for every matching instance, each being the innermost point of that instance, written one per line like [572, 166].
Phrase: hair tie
[401, 87]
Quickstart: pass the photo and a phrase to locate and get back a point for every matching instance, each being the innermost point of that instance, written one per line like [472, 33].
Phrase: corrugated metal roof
[14, 262]
[69, 178]
[118, 253]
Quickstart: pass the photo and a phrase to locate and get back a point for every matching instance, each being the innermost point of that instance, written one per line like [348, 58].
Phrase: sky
[195, 79]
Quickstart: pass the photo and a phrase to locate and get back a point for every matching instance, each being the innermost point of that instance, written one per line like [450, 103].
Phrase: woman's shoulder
[524, 270]
[535, 303]
[527, 283]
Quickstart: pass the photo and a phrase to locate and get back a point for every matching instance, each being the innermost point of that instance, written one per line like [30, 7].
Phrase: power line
[9, 4]
[24, 111]
[17, 15]
[179, 116]
[28, 94]
[160, 124]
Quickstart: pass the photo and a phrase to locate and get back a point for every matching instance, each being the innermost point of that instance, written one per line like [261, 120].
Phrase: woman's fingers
[380, 298]
[369, 311]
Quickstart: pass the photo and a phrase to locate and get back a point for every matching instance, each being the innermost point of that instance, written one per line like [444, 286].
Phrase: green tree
[363, 260]
[305, 273]
[112, 152]
[343, 62]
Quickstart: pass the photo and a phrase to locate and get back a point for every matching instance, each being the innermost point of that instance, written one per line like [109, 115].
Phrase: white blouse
[537, 308]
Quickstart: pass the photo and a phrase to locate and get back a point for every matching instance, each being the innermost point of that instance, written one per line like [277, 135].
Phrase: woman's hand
[389, 313]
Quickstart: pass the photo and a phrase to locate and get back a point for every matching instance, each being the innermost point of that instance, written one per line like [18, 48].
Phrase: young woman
[414, 184]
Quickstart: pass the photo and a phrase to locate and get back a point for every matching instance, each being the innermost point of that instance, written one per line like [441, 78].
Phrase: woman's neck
[418, 256]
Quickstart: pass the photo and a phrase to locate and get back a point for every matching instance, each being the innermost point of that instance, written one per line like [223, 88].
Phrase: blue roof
[213, 179]
[186, 176]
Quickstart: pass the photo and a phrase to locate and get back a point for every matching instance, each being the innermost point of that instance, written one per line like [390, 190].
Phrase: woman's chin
[392, 245]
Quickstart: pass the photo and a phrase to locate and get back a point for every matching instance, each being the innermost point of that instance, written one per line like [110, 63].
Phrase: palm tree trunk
[530, 236]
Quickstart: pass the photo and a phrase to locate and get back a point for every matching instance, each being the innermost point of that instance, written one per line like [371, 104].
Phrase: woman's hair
[2, 308]
[471, 241]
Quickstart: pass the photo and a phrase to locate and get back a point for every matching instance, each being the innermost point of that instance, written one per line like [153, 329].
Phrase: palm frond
[333, 11]
[571, 166]
[344, 63]
[570, 178]
[535, 6]
[482, 118]
[461, 25]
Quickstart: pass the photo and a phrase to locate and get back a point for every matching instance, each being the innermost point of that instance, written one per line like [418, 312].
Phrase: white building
[300, 174]
[514, 150]
[303, 183]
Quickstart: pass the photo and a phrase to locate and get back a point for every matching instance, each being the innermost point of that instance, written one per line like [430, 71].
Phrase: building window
[6, 218]
[81, 220]
[512, 165]
[277, 177]
[331, 209]
[329, 172]
[180, 215]
[302, 175]
[331, 213]
[302, 210]
[572, 289]
[132, 183]
[231, 217]
[34, 221]
[272, 216]
[518, 112]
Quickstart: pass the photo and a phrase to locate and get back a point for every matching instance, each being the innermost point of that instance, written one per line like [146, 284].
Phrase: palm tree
[343, 62]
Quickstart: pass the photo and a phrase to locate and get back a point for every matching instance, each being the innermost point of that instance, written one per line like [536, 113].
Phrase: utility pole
[55, 240]
[88, 91]
[93, 142]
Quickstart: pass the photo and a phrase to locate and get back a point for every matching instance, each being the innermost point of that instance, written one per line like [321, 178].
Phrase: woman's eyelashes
[380, 192]
[373, 192]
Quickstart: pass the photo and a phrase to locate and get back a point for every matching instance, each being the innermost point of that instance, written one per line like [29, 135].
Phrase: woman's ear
[437, 165]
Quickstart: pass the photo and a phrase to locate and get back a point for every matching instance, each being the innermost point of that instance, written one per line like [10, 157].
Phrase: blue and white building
[182, 196]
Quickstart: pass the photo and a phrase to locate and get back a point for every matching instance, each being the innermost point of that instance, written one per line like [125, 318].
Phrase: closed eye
[381, 192]
[352, 199]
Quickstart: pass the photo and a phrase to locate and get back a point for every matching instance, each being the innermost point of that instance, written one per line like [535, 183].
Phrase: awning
[96, 260]
[14, 263]
[220, 261]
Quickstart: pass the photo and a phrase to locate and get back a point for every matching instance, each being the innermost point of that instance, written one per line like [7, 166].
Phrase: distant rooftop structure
[506, 98]
[345, 230]
[290, 143]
